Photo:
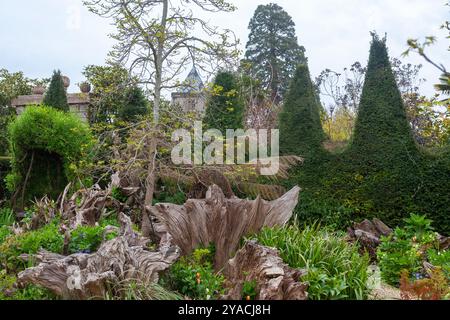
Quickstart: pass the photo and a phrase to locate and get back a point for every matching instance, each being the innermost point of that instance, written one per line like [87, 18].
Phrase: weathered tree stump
[88, 276]
[274, 279]
[221, 221]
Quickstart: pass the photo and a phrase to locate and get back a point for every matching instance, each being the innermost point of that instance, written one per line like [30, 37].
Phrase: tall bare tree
[157, 40]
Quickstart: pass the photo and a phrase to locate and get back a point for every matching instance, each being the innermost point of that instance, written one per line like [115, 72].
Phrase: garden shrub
[135, 105]
[436, 287]
[194, 276]
[47, 238]
[57, 142]
[407, 248]
[7, 115]
[335, 268]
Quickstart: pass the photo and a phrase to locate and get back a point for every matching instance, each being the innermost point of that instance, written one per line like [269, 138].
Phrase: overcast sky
[38, 36]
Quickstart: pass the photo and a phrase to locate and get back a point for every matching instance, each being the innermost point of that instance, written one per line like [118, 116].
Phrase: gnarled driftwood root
[88, 276]
[274, 279]
[221, 221]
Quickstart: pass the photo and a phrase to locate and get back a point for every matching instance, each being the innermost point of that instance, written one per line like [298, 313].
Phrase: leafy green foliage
[117, 194]
[381, 127]
[56, 95]
[225, 108]
[5, 232]
[7, 217]
[272, 48]
[86, 239]
[329, 212]
[440, 258]
[114, 96]
[30, 292]
[249, 290]
[335, 268]
[57, 142]
[12, 85]
[135, 105]
[110, 220]
[300, 126]
[397, 253]
[31, 242]
[168, 197]
[194, 276]
[407, 248]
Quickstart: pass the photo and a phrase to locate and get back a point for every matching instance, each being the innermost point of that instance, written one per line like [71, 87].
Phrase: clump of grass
[137, 290]
[6, 217]
[335, 268]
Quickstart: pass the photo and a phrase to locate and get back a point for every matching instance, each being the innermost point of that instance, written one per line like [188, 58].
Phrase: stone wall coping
[35, 99]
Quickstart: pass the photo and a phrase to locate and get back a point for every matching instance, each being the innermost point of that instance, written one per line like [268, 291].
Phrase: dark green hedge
[382, 173]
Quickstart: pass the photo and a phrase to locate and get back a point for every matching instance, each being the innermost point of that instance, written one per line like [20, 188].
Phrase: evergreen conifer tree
[382, 132]
[300, 126]
[225, 108]
[56, 96]
[272, 48]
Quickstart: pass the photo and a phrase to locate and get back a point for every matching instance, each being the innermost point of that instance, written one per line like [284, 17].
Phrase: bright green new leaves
[48, 146]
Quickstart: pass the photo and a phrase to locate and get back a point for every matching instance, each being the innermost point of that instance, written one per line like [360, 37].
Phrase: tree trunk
[151, 174]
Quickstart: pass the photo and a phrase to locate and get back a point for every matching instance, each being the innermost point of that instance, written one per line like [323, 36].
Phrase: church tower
[190, 96]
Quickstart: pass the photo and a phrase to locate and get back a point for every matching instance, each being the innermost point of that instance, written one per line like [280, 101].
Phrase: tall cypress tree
[272, 48]
[382, 132]
[225, 108]
[300, 126]
[56, 95]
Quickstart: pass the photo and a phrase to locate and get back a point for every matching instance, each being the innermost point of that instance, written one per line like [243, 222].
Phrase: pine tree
[225, 109]
[56, 95]
[300, 126]
[382, 132]
[272, 48]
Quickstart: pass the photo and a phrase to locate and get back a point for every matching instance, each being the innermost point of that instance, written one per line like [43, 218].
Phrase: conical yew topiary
[382, 132]
[300, 126]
